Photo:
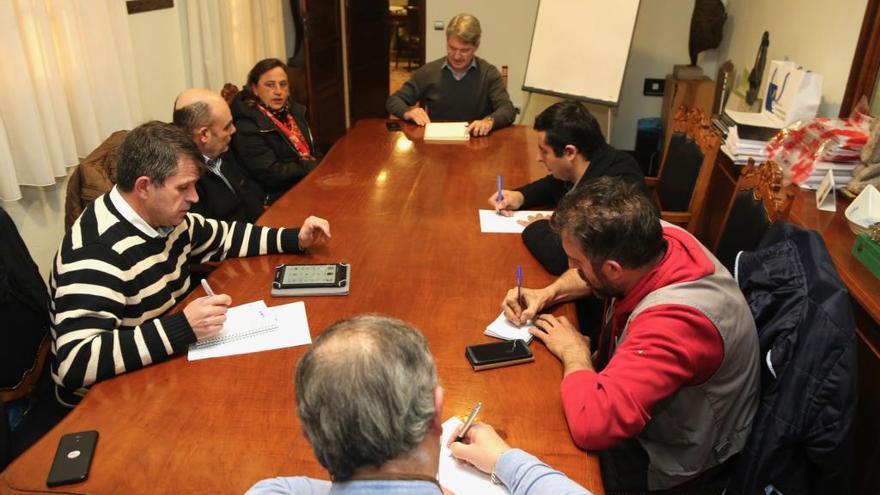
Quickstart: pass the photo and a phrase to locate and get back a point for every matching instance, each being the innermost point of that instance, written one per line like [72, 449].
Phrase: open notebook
[502, 328]
[253, 327]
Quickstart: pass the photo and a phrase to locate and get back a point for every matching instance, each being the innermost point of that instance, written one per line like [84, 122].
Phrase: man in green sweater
[459, 87]
[125, 263]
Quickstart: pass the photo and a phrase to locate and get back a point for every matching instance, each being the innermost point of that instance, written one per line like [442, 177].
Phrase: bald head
[204, 116]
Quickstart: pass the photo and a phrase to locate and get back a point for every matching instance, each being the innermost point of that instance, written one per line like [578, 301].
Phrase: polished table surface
[404, 214]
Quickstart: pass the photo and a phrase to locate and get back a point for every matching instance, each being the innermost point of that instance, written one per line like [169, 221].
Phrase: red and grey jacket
[683, 375]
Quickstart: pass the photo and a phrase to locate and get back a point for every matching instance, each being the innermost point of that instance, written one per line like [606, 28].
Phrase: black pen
[468, 422]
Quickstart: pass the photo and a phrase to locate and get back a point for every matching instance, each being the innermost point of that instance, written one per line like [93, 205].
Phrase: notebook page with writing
[493, 223]
[502, 328]
[460, 478]
[292, 329]
[242, 321]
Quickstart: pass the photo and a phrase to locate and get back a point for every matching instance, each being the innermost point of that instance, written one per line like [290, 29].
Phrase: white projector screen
[580, 47]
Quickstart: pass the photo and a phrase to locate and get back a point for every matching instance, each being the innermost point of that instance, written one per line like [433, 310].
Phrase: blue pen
[518, 285]
[500, 196]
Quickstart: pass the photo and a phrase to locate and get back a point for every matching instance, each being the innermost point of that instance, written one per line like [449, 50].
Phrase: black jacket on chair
[264, 151]
[802, 435]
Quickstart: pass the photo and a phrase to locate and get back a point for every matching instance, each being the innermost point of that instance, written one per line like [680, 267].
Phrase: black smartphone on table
[498, 354]
[73, 458]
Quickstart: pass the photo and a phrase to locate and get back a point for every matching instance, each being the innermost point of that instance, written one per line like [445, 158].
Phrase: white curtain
[68, 81]
[227, 37]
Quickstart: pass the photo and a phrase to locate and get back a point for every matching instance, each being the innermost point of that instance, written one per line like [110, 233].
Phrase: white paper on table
[502, 328]
[292, 330]
[461, 478]
[446, 131]
[493, 223]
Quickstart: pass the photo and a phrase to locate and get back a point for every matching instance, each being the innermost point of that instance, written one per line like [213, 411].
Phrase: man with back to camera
[458, 87]
[226, 191]
[669, 396]
[384, 437]
[125, 263]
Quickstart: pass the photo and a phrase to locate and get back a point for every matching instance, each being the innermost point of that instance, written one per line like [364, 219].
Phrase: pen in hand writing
[207, 288]
[468, 422]
[519, 299]
[500, 197]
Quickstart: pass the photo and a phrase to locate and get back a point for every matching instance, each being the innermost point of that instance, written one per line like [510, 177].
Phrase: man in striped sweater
[125, 263]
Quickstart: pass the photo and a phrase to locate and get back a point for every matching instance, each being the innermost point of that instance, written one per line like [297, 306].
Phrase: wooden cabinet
[696, 93]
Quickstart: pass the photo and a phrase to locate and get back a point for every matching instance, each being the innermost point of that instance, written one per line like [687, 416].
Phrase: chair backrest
[759, 200]
[687, 166]
[94, 176]
[24, 308]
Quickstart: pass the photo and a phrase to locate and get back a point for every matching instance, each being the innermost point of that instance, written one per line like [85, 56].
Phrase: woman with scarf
[272, 141]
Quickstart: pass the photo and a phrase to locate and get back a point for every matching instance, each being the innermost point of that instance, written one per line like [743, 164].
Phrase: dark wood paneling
[324, 71]
[138, 6]
[368, 45]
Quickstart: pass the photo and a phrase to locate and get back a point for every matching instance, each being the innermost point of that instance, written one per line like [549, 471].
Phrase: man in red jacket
[670, 394]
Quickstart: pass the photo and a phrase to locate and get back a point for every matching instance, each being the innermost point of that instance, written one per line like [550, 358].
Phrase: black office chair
[758, 201]
[680, 186]
[24, 309]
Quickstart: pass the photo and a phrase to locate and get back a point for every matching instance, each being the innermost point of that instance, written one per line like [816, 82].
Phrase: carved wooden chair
[759, 200]
[680, 186]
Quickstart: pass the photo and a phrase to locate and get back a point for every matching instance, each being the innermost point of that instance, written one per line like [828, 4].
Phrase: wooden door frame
[866, 60]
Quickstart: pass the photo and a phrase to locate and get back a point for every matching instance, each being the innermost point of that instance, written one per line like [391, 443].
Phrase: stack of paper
[502, 328]
[446, 131]
[746, 135]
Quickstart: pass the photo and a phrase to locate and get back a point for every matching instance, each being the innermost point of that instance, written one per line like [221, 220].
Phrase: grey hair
[466, 27]
[153, 150]
[365, 393]
[193, 116]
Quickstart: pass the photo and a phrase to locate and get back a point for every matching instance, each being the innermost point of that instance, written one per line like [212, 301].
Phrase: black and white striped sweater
[111, 286]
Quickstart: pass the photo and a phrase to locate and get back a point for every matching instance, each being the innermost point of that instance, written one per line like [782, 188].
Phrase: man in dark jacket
[573, 149]
[226, 192]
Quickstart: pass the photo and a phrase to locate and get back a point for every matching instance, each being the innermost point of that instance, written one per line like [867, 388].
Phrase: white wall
[819, 35]
[39, 216]
[158, 51]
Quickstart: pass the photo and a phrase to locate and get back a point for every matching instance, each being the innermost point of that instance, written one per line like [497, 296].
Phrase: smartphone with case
[498, 354]
[73, 458]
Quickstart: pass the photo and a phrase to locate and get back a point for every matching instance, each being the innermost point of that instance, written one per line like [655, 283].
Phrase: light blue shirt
[459, 75]
[521, 473]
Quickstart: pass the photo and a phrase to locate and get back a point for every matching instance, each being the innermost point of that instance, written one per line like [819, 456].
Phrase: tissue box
[868, 253]
[864, 211]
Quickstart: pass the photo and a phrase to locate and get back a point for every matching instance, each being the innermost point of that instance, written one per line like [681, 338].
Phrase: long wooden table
[404, 214]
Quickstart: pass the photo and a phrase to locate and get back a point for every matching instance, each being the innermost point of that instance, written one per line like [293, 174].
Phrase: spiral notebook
[254, 328]
[242, 322]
